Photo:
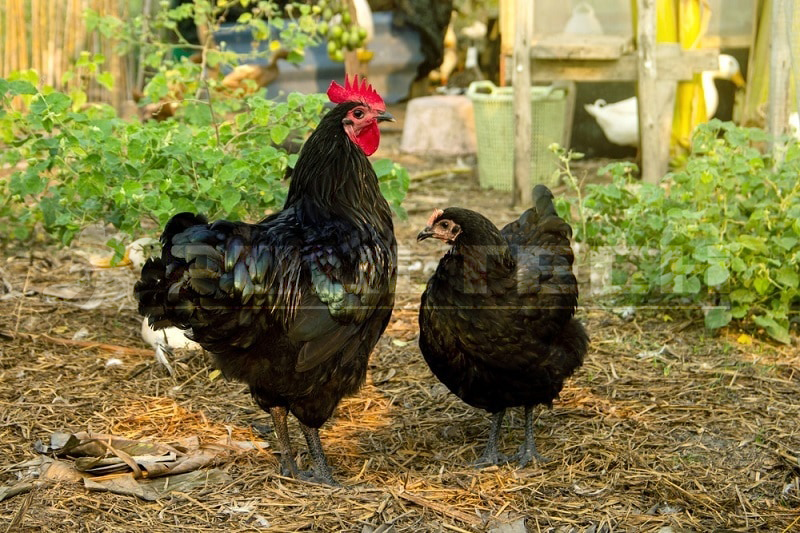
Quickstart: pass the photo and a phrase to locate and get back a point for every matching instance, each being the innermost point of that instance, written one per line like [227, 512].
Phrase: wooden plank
[507, 21]
[647, 91]
[569, 114]
[779, 68]
[572, 46]
[522, 103]
[671, 66]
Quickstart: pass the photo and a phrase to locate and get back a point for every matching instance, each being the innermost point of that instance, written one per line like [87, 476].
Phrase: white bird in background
[163, 341]
[794, 125]
[620, 120]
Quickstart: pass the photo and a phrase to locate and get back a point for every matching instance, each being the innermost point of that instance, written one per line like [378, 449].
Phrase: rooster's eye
[358, 113]
[445, 225]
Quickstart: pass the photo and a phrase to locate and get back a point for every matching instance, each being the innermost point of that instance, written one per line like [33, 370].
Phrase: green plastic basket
[494, 126]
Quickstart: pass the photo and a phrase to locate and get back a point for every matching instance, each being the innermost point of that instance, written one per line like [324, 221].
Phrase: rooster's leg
[279, 418]
[527, 450]
[322, 472]
[490, 455]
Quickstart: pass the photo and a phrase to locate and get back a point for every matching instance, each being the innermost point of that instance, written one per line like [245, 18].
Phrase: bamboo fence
[48, 36]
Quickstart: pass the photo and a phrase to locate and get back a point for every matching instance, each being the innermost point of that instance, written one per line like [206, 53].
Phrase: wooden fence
[49, 36]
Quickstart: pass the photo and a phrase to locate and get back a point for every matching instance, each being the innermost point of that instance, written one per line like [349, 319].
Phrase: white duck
[620, 120]
[163, 341]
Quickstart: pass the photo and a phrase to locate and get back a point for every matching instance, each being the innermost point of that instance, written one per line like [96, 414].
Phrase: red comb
[355, 93]
[435, 215]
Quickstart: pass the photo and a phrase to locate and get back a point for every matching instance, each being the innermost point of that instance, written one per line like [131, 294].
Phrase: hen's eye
[445, 225]
[358, 113]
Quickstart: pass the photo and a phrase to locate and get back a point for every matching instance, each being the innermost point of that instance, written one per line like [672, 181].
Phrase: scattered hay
[662, 426]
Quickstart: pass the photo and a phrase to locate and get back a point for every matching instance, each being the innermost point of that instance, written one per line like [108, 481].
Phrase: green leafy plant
[723, 233]
[76, 167]
[75, 163]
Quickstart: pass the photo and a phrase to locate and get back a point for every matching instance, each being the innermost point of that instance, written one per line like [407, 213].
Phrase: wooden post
[352, 65]
[656, 99]
[522, 103]
[779, 67]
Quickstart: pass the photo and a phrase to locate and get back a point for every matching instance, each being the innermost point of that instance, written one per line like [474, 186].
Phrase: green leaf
[21, 87]
[230, 199]
[716, 275]
[717, 318]
[278, 133]
[761, 285]
[693, 285]
[383, 167]
[738, 265]
[742, 296]
[51, 103]
[775, 330]
[787, 276]
[106, 79]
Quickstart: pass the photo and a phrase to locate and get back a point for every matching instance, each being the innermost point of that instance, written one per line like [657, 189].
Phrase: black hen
[496, 319]
[293, 305]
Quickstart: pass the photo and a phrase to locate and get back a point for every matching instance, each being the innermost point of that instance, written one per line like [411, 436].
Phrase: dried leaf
[154, 489]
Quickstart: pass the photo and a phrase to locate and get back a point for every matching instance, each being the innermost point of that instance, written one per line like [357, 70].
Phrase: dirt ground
[664, 428]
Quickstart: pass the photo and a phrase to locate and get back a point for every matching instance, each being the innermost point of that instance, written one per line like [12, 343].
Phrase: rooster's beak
[424, 234]
[385, 116]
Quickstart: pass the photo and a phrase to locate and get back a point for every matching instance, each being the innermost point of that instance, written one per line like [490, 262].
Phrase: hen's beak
[385, 116]
[738, 80]
[105, 262]
[424, 234]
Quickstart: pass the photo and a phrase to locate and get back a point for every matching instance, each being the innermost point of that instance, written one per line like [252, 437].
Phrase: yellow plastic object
[690, 107]
[494, 127]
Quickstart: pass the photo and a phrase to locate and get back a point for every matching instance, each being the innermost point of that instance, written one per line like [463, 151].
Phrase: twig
[440, 508]
[19, 305]
[20, 514]
[114, 348]
[421, 176]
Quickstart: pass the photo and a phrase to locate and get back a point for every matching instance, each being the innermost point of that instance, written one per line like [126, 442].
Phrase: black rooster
[496, 319]
[293, 305]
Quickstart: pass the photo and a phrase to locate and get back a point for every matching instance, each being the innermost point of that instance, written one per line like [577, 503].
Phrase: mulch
[664, 428]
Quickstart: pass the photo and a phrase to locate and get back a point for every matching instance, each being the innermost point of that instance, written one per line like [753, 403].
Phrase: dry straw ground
[663, 429]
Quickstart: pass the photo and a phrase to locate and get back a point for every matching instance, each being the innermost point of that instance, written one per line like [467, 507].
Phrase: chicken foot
[321, 472]
[490, 454]
[527, 449]
[280, 416]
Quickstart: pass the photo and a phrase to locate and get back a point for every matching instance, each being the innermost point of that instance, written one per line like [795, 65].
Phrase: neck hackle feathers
[355, 92]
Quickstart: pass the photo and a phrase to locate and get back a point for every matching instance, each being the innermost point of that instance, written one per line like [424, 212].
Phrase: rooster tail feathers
[157, 281]
[180, 223]
[150, 291]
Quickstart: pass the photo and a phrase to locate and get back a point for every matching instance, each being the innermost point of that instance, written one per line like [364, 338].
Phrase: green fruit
[336, 32]
[346, 18]
[323, 28]
[322, 4]
[327, 14]
[316, 10]
[332, 47]
[362, 33]
[338, 56]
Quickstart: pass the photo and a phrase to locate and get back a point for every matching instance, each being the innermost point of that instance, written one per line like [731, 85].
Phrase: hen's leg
[279, 417]
[490, 455]
[322, 472]
[527, 450]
